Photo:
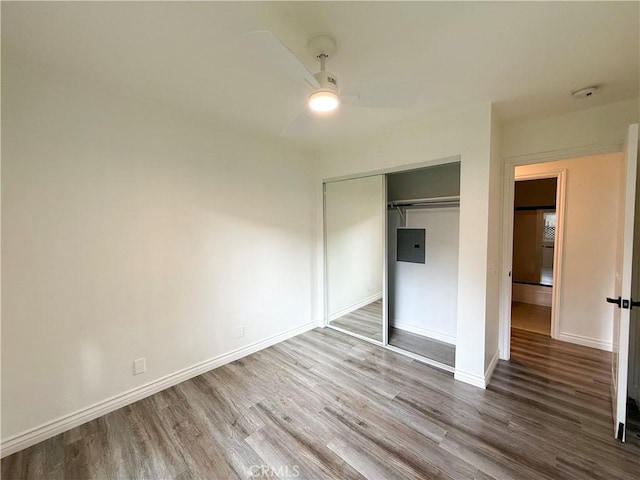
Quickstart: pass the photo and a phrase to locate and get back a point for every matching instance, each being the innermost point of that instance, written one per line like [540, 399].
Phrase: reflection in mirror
[354, 226]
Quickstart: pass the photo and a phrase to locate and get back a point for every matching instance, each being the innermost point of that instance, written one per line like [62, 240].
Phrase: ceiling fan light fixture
[323, 101]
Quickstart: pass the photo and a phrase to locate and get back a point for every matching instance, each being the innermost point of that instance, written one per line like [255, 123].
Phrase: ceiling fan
[326, 96]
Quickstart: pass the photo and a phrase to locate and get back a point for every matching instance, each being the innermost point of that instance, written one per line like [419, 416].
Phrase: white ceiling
[524, 57]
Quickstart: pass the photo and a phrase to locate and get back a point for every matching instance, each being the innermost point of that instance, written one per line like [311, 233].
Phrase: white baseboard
[425, 332]
[470, 378]
[477, 380]
[355, 306]
[491, 367]
[49, 429]
[585, 341]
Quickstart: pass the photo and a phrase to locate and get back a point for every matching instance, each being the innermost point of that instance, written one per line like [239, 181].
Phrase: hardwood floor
[427, 347]
[533, 318]
[326, 405]
[366, 321]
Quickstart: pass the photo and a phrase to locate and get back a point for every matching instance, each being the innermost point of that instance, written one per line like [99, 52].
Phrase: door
[624, 274]
[354, 220]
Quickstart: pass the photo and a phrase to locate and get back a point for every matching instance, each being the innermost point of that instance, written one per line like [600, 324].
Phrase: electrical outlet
[139, 366]
[240, 332]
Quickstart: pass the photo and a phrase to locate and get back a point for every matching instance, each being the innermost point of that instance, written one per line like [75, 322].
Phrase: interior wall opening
[534, 237]
[423, 216]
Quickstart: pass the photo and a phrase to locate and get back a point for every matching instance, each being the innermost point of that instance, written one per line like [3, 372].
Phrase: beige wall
[600, 128]
[589, 249]
[133, 230]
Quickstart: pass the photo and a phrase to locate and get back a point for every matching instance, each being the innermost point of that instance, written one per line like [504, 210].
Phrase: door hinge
[620, 433]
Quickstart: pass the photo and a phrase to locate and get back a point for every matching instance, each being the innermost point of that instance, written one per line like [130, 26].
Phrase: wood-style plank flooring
[326, 405]
[366, 321]
[533, 318]
[427, 347]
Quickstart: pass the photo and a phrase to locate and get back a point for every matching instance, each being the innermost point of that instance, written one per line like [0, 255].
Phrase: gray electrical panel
[411, 245]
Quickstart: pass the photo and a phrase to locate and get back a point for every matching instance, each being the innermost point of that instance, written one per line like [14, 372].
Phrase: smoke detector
[584, 92]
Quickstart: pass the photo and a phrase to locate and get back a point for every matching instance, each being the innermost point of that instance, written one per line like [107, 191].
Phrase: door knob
[615, 301]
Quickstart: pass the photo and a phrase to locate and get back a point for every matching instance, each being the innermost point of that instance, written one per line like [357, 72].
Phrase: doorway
[534, 238]
[587, 233]
[546, 271]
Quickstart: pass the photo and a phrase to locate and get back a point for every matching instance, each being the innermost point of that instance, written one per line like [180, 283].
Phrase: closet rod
[426, 205]
[426, 202]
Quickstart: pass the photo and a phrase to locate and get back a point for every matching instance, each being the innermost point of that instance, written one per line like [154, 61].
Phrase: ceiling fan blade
[297, 126]
[266, 43]
[382, 95]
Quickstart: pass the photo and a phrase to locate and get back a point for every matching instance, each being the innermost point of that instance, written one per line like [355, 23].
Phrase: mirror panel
[354, 228]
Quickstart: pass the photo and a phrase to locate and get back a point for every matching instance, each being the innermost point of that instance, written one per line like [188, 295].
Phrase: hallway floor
[532, 318]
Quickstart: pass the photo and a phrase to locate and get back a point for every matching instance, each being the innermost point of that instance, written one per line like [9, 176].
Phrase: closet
[391, 259]
[423, 216]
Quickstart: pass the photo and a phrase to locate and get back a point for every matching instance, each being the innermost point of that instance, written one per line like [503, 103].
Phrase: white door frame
[625, 283]
[507, 246]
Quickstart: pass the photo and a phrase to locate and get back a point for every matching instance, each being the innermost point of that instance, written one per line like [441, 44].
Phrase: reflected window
[548, 243]
[549, 230]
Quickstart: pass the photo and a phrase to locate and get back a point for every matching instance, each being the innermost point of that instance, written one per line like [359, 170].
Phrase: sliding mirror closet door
[354, 228]
[423, 217]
